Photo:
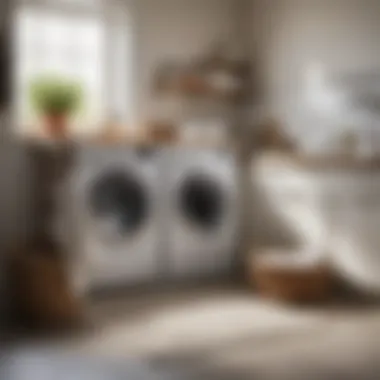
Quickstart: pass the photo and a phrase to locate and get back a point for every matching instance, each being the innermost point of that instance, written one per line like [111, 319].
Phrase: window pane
[73, 47]
[93, 48]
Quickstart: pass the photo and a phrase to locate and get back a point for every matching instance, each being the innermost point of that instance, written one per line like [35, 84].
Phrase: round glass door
[122, 198]
[201, 202]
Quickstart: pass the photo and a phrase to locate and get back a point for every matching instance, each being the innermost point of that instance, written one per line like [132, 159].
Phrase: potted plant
[55, 98]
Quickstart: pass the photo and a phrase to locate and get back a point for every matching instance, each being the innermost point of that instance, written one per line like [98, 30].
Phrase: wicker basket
[40, 292]
[292, 281]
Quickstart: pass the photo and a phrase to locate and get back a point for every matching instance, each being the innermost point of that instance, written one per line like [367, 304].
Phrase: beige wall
[174, 30]
[289, 36]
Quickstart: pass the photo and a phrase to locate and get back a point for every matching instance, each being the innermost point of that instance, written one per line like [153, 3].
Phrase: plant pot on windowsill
[55, 98]
[56, 125]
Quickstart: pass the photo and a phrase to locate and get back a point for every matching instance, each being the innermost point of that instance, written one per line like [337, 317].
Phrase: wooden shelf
[224, 80]
[319, 162]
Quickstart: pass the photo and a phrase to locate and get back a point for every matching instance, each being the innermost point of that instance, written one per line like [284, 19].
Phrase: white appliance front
[203, 216]
[115, 228]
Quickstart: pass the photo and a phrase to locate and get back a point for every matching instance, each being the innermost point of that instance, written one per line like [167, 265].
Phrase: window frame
[105, 10]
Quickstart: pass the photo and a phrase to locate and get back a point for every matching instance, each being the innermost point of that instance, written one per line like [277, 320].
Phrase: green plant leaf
[55, 95]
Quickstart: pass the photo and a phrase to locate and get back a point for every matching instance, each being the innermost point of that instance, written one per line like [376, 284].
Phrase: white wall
[288, 37]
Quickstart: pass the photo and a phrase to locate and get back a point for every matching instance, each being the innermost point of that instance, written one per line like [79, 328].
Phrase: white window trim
[69, 7]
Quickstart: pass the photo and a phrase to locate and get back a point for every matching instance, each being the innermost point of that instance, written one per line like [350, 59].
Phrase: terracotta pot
[56, 125]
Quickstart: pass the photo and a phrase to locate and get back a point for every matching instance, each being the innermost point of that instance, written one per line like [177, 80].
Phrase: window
[85, 40]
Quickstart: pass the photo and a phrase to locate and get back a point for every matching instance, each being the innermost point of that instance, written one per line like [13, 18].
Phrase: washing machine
[114, 222]
[203, 213]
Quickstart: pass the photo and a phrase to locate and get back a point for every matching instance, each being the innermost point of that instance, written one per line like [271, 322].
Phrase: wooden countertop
[125, 143]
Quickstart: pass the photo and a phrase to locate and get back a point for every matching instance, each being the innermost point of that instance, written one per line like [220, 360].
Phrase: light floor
[224, 333]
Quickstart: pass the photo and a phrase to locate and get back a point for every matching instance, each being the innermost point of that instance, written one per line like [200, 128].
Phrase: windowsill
[132, 140]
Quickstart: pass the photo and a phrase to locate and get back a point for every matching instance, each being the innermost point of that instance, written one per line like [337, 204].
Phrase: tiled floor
[227, 333]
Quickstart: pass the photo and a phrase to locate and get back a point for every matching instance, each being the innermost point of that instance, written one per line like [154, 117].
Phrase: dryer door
[202, 203]
[203, 231]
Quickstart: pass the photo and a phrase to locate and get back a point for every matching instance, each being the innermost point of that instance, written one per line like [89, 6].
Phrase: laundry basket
[289, 277]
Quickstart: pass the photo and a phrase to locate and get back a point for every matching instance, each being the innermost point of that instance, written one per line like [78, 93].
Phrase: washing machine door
[201, 203]
[119, 199]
